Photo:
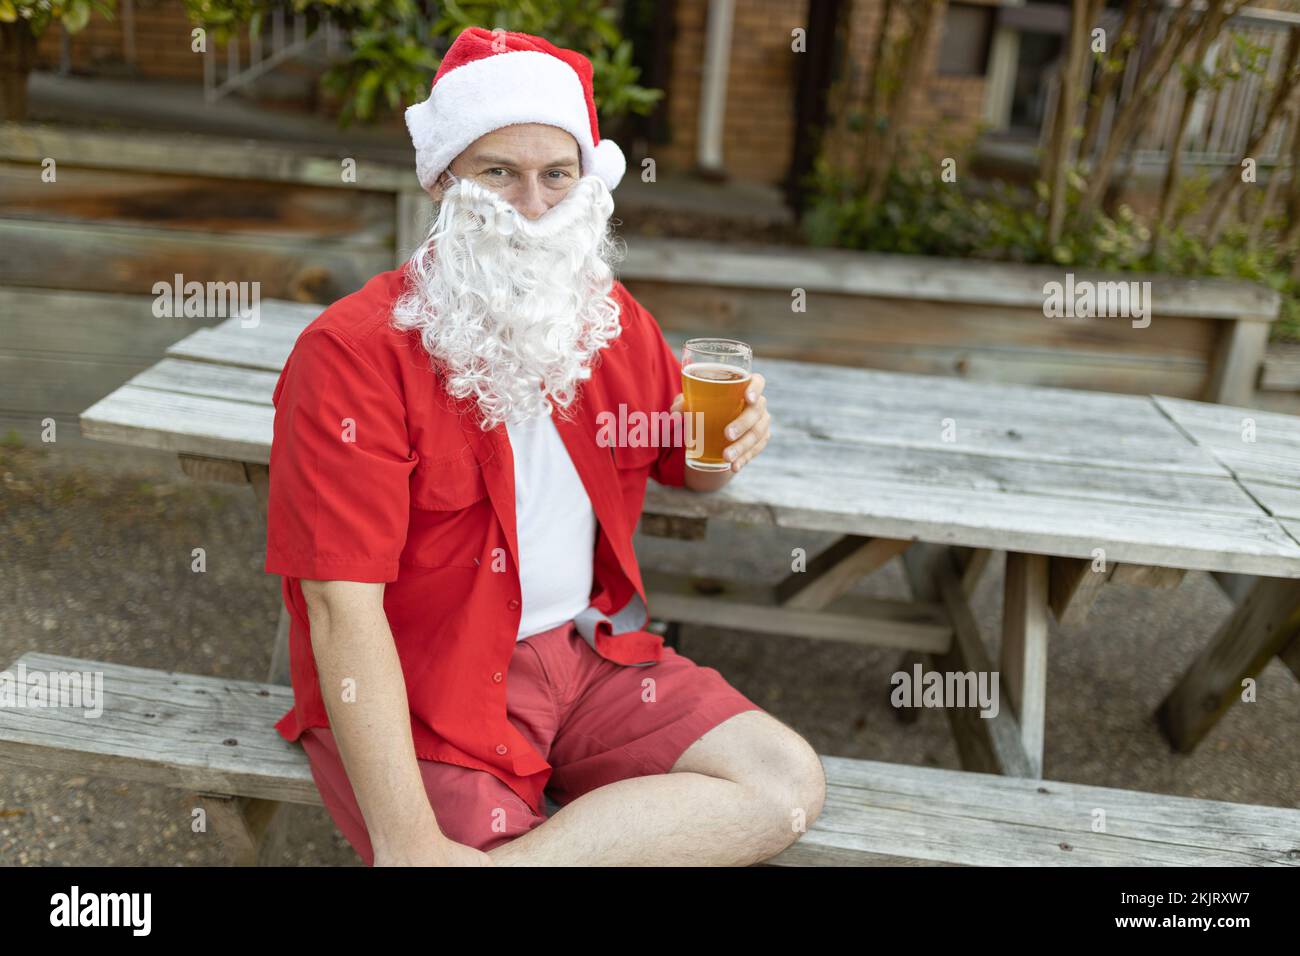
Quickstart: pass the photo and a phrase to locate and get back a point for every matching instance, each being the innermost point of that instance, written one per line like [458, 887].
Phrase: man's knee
[791, 783]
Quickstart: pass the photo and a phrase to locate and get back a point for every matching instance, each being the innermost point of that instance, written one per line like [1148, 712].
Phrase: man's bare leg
[738, 795]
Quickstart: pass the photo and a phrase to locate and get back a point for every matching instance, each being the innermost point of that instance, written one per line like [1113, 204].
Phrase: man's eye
[497, 169]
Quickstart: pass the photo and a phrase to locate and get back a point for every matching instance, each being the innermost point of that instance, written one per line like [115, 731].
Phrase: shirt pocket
[450, 513]
[641, 456]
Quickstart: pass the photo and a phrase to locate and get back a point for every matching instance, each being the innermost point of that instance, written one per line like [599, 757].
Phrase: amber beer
[715, 374]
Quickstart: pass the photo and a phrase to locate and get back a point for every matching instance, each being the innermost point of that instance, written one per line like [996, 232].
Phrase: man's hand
[749, 431]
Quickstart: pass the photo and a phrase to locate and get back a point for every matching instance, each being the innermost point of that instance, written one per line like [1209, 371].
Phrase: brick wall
[162, 44]
[758, 128]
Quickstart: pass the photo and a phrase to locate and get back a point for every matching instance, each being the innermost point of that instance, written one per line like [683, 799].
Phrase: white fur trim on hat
[521, 86]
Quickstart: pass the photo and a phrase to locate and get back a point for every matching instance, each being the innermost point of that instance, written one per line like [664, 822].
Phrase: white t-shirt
[555, 526]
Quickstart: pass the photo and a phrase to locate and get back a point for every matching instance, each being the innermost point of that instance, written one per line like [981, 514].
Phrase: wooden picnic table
[1078, 488]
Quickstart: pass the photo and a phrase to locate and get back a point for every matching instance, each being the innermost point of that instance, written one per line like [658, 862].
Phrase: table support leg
[1265, 623]
[986, 744]
[1024, 649]
[244, 825]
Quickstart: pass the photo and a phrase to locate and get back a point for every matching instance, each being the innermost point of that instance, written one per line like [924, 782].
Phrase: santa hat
[490, 79]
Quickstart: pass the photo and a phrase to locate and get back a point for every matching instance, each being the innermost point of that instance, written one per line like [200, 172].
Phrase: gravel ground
[95, 552]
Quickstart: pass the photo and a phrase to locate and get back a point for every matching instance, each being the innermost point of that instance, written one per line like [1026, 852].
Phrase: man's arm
[351, 639]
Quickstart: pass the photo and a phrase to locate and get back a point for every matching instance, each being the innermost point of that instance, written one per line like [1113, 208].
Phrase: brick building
[751, 129]
[741, 101]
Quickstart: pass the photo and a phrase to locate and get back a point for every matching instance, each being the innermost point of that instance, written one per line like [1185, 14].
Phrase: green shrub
[920, 214]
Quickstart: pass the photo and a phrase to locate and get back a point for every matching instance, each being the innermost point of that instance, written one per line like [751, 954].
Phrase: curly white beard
[514, 311]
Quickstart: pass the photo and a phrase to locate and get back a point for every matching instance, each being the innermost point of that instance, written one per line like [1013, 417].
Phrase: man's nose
[531, 201]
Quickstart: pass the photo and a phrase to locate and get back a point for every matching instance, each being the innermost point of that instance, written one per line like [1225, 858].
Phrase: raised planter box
[978, 320]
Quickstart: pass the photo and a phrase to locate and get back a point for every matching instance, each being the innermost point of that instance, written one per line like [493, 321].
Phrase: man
[456, 542]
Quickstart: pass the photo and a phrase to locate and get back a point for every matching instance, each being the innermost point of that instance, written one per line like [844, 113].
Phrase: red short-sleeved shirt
[378, 475]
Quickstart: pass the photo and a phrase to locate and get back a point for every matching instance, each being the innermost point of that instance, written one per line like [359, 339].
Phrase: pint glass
[715, 374]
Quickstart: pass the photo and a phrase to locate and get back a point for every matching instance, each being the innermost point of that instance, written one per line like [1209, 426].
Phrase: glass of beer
[715, 374]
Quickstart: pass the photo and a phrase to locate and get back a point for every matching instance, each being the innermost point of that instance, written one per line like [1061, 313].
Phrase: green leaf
[76, 16]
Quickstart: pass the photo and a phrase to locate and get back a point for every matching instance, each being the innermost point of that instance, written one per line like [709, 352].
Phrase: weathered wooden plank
[986, 744]
[916, 325]
[1237, 360]
[61, 351]
[241, 823]
[1281, 368]
[899, 812]
[1024, 650]
[1290, 656]
[779, 492]
[187, 424]
[879, 408]
[882, 491]
[851, 619]
[86, 325]
[267, 353]
[835, 570]
[1281, 500]
[966, 469]
[1262, 625]
[982, 344]
[980, 491]
[204, 734]
[319, 269]
[1073, 585]
[191, 154]
[1144, 576]
[974, 562]
[188, 202]
[1235, 586]
[213, 469]
[672, 526]
[216, 737]
[1254, 445]
[919, 277]
[58, 385]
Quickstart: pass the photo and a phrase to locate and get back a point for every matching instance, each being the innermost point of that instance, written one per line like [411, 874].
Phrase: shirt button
[501, 748]
[513, 604]
[497, 677]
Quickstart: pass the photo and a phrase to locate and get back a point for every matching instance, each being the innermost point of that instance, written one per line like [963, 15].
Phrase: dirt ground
[95, 563]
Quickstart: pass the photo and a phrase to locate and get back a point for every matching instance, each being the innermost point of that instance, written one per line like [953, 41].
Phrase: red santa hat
[495, 78]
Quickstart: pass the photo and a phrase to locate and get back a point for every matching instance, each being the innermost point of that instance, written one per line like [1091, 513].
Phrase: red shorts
[592, 719]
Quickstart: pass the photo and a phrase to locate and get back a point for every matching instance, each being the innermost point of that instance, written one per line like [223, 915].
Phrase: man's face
[530, 165]
[510, 289]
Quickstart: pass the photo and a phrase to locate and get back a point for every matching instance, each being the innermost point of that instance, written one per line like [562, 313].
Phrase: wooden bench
[215, 737]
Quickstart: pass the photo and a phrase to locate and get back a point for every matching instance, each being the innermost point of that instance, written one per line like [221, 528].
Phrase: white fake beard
[514, 311]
